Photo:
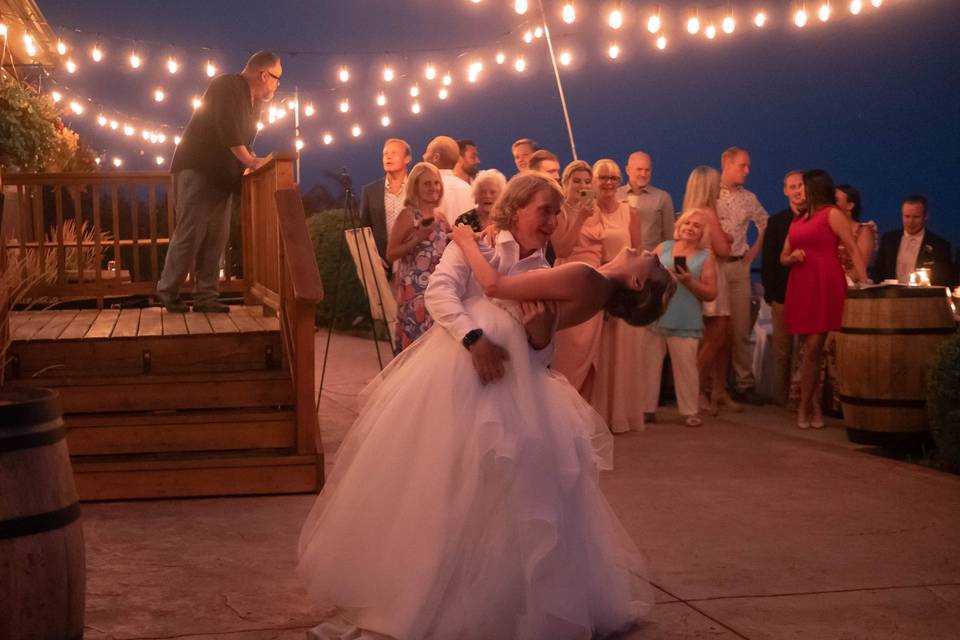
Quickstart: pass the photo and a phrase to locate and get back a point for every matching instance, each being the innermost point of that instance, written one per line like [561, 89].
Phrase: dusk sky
[874, 99]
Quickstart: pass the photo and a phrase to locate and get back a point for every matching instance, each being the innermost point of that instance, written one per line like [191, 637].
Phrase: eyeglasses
[275, 77]
[609, 178]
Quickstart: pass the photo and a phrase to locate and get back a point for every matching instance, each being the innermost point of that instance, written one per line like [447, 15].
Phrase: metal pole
[556, 74]
[296, 126]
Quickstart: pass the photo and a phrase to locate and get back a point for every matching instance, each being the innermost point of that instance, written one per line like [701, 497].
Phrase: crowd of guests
[811, 252]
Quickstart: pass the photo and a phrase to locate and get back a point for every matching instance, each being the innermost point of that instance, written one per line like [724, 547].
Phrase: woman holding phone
[417, 241]
[680, 328]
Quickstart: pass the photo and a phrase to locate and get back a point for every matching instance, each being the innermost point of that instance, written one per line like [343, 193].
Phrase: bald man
[443, 152]
[655, 205]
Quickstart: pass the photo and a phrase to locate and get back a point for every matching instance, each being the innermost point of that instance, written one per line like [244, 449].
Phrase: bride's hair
[518, 194]
[640, 308]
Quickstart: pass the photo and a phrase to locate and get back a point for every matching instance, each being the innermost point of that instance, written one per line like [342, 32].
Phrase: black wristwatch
[471, 338]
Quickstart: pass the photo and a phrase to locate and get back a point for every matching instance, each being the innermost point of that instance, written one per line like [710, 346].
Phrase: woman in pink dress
[817, 286]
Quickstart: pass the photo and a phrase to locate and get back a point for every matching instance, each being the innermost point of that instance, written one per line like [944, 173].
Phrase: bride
[463, 508]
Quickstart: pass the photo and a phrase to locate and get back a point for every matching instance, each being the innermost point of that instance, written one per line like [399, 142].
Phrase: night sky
[874, 99]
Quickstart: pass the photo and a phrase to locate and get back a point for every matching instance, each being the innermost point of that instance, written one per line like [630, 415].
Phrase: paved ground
[753, 530]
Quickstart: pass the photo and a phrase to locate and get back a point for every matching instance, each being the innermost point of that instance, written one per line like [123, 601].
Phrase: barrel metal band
[32, 440]
[911, 331]
[39, 523]
[883, 402]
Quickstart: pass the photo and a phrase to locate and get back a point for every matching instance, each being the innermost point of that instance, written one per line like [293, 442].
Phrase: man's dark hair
[464, 143]
[853, 195]
[539, 157]
[916, 198]
[530, 141]
[261, 60]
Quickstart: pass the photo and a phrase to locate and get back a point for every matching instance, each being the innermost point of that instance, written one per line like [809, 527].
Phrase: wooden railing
[109, 231]
[281, 273]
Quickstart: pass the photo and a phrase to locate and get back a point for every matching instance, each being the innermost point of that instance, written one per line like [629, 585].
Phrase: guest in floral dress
[416, 243]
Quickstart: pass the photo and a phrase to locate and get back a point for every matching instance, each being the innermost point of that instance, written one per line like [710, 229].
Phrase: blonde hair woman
[416, 242]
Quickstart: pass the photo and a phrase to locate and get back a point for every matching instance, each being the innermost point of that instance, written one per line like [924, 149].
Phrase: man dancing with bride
[464, 502]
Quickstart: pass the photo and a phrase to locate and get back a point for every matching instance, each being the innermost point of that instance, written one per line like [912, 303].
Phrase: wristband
[471, 338]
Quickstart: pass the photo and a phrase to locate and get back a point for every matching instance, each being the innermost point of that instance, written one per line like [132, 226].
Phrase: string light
[61, 47]
[824, 12]
[117, 162]
[569, 13]
[259, 126]
[662, 42]
[710, 32]
[76, 107]
[520, 6]
[177, 139]
[3, 29]
[430, 72]
[145, 134]
[443, 93]
[298, 144]
[196, 103]
[693, 25]
[384, 120]
[415, 107]
[528, 36]
[501, 57]
[172, 66]
[344, 74]
[566, 58]
[876, 3]
[414, 91]
[160, 160]
[616, 18]
[447, 79]
[114, 125]
[96, 53]
[158, 95]
[308, 110]
[344, 105]
[856, 6]
[356, 131]
[761, 18]
[800, 17]
[71, 66]
[327, 138]
[102, 120]
[30, 45]
[211, 69]
[613, 51]
[388, 74]
[135, 60]
[56, 96]
[128, 130]
[538, 32]
[381, 99]
[653, 22]
[729, 24]
[520, 65]
[161, 138]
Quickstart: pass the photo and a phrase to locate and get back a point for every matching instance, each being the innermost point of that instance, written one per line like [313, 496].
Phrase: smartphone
[426, 222]
[680, 263]
[586, 196]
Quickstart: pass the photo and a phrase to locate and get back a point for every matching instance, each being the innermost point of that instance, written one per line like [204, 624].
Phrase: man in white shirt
[443, 153]
[469, 163]
[655, 205]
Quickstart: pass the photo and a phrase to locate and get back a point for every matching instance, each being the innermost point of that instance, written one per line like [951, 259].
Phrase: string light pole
[556, 74]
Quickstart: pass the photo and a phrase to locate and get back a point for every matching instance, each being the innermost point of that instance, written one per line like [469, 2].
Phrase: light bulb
[653, 23]
[613, 51]
[114, 124]
[662, 42]
[414, 91]
[128, 130]
[447, 79]
[344, 105]
[800, 17]
[344, 74]
[102, 120]
[259, 125]
[388, 74]
[154, 138]
[430, 72]
[281, 114]
[161, 138]
[538, 32]
[710, 32]
[520, 6]
[97, 160]
[159, 160]
[381, 99]
[693, 25]
[158, 95]
[308, 110]
[616, 19]
[71, 66]
[443, 93]
[30, 45]
[520, 65]
[876, 3]
[298, 144]
[569, 13]
[728, 24]
[76, 107]
[356, 131]
[96, 53]
[177, 139]
[566, 58]
[501, 57]
[117, 162]
[211, 69]
[61, 47]
[135, 60]
[415, 107]
[760, 19]
[196, 103]
[327, 138]
[172, 65]
[4, 30]
[528, 36]
[145, 134]
[384, 120]
[824, 12]
[56, 96]
[856, 6]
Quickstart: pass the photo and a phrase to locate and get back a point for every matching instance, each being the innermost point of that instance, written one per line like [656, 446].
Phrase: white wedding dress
[457, 511]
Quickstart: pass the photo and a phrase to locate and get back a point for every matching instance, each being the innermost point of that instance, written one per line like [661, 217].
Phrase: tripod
[351, 220]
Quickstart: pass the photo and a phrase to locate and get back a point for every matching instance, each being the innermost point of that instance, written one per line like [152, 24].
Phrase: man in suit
[382, 200]
[913, 247]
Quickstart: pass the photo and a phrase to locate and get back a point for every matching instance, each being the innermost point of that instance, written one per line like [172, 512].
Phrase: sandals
[693, 421]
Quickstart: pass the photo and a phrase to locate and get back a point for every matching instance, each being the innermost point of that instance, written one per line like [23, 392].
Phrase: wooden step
[180, 431]
[228, 390]
[194, 475]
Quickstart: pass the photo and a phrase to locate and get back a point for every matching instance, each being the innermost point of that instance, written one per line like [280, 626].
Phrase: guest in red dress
[817, 285]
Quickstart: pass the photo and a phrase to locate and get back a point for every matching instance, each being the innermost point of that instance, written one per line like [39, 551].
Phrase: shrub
[28, 127]
[943, 403]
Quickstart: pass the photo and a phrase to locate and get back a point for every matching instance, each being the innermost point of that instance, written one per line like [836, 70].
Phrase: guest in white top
[443, 153]
[469, 163]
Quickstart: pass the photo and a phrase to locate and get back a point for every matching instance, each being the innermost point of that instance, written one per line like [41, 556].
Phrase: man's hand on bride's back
[488, 358]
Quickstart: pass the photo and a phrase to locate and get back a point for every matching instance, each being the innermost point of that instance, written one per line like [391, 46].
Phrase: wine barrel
[888, 340]
[42, 568]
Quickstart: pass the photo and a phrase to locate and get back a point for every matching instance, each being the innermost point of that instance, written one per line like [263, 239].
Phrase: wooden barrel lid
[897, 291]
[21, 406]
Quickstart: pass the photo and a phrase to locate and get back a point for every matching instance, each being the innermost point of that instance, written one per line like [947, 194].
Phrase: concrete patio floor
[753, 529]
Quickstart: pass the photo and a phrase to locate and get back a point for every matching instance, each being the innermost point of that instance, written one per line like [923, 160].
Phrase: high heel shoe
[817, 422]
